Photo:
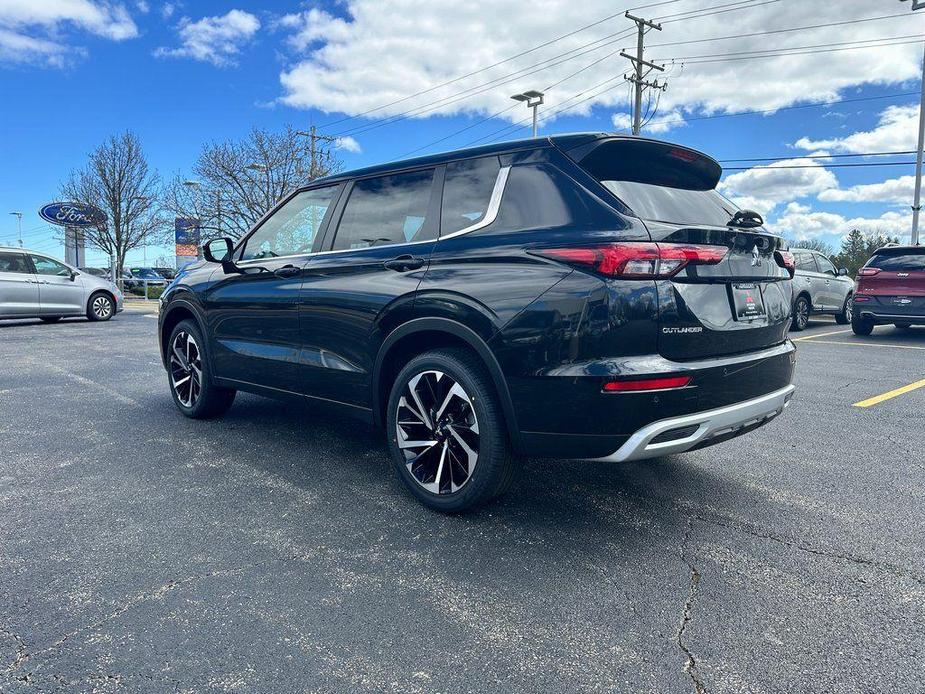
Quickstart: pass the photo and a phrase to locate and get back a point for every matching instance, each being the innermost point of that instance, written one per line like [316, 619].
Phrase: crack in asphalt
[24, 655]
[22, 651]
[818, 551]
[690, 666]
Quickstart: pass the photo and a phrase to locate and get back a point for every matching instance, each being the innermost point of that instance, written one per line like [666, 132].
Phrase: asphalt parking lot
[274, 550]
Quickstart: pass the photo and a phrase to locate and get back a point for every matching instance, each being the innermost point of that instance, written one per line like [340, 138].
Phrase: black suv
[577, 296]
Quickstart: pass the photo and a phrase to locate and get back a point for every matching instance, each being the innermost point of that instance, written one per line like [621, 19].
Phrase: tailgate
[739, 305]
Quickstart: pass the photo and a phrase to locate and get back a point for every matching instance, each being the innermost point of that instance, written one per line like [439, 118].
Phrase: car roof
[564, 141]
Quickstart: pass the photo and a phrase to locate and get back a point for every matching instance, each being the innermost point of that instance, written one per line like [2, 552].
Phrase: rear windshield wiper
[745, 219]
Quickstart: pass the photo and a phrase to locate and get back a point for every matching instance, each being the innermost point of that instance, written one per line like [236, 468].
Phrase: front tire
[188, 373]
[801, 310]
[101, 307]
[861, 326]
[844, 317]
[447, 433]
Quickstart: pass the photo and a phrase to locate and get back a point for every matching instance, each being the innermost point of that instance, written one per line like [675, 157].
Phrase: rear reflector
[860, 299]
[638, 260]
[665, 383]
[868, 271]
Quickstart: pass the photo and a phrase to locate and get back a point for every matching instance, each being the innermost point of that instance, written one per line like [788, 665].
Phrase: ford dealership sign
[73, 214]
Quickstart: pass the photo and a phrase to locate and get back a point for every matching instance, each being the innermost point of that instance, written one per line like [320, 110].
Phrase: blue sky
[73, 72]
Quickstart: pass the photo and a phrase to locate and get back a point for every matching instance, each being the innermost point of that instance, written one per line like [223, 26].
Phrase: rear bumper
[884, 317]
[702, 428]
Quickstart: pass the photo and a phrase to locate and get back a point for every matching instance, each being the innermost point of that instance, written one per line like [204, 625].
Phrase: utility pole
[314, 166]
[639, 78]
[18, 216]
[917, 198]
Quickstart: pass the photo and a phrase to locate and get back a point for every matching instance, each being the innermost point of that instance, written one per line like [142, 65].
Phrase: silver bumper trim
[710, 424]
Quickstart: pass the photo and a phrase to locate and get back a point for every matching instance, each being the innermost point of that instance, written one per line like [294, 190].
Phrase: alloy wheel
[802, 313]
[101, 307]
[849, 309]
[437, 432]
[186, 369]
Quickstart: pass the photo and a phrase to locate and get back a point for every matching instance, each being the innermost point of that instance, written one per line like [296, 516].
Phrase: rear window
[673, 205]
[899, 260]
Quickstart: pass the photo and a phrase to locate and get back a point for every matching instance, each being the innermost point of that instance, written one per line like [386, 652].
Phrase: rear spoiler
[646, 161]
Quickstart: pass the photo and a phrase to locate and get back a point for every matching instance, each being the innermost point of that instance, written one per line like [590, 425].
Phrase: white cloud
[762, 188]
[665, 122]
[168, 9]
[897, 129]
[143, 6]
[216, 40]
[35, 32]
[895, 190]
[394, 48]
[348, 144]
[622, 121]
[802, 223]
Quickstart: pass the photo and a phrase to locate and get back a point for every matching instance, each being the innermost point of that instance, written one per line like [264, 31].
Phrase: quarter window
[466, 192]
[387, 210]
[47, 266]
[293, 228]
[14, 262]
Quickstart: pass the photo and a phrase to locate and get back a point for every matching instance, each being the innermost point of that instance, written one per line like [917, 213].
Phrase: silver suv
[819, 288]
[34, 285]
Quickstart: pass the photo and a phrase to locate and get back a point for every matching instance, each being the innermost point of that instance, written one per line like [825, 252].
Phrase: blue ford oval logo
[72, 214]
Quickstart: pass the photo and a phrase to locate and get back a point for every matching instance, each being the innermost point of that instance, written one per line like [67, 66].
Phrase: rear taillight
[638, 260]
[786, 260]
[868, 271]
[636, 385]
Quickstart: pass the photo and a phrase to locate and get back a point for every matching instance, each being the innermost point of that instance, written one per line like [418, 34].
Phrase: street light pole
[18, 216]
[917, 197]
[534, 100]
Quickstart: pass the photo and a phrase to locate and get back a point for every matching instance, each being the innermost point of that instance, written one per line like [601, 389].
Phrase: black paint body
[549, 334]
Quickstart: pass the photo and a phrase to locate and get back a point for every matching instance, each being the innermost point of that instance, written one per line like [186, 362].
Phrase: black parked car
[581, 296]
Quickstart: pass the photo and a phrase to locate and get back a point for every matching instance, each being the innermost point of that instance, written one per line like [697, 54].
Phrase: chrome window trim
[494, 204]
[491, 213]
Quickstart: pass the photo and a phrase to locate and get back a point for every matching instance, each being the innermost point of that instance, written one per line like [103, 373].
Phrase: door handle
[287, 271]
[403, 263]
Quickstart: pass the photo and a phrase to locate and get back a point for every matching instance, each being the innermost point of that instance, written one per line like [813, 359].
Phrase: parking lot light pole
[917, 198]
[534, 100]
[18, 216]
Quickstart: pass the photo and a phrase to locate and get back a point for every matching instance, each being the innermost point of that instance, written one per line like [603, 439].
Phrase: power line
[823, 156]
[830, 166]
[500, 62]
[542, 65]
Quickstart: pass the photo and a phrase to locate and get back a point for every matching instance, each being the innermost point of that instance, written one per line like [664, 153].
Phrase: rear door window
[14, 263]
[904, 260]
[387, 210]
[805, 261]
[467, 190]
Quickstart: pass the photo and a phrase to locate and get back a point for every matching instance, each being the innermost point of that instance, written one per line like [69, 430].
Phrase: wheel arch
[420, 335]
[101, 290]
[180, 310]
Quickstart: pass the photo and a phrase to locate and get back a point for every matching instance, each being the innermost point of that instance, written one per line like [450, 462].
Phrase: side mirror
[843, 272]
[217, 250]
[746, 219]
[74, 274]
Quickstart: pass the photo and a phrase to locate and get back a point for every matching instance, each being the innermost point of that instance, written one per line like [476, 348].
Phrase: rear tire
[50, 319]
[861, 326]
[844, 317]
[100, 307]
[801, 310]
[445, 400]
[189, 375]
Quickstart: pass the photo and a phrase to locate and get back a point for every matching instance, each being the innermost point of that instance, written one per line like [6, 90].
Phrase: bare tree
[118, 180]
[814, 245]
[235, 183]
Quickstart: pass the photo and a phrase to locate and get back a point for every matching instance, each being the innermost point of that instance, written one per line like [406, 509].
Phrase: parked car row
[136, 276]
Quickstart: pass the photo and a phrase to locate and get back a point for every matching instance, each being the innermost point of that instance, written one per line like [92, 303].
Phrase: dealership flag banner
[186, 235]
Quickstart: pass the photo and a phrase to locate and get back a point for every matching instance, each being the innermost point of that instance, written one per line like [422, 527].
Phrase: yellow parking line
[813, 337]
[877, 399]
[865, 344]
